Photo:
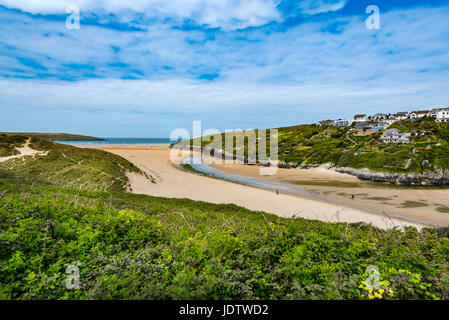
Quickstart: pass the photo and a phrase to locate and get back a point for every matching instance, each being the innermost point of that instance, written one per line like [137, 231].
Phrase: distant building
[342, 123]
[394, 136]
[443, 115]
[379, 116]
[400, 116]
[326, 123]
[360, 117]
[419, 114]
[371, 126]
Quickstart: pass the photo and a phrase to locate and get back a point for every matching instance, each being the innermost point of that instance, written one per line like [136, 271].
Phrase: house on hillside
[342, 123]
[395, 136]
[379, 116]
[414, 115]
[360, 117]
[371, 126]
[443, 115]
[326, 123]
[434, 112]
[400, 116]
[390, 120]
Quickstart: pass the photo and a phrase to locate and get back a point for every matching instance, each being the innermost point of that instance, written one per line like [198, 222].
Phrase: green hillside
[55, 136]
[343, 147]
[140, 247]
[67, 166]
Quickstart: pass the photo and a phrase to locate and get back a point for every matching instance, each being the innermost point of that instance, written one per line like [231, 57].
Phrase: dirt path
[24, 151]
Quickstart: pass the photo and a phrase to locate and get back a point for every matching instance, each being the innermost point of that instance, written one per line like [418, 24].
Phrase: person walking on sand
[277, 191]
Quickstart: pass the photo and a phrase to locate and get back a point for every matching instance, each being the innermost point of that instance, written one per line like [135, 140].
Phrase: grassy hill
[66, 166]
[54, 136]
[140, 247]
[314, 145]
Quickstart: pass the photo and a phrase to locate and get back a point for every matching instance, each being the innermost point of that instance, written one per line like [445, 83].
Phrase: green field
[314, 145]
[131, 246]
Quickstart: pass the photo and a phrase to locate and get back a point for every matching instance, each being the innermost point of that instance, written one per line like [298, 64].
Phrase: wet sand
[417, 203]
[172, 182]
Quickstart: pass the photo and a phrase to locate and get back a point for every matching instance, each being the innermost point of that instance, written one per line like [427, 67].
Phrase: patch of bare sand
[175, 183]
[24, 151]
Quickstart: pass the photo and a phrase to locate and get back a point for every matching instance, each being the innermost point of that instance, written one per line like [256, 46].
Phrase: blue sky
[142, 68]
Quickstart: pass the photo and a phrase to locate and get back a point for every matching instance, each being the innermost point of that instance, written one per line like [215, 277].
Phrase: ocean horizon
[119, 141]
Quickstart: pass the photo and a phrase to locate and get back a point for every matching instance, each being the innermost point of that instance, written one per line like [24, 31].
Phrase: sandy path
[174, 183]
[24, 151]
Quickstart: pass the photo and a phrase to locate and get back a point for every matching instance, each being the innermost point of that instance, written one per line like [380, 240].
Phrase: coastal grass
[131, 246]
[443, 209]
[68, 166]
[8, 144]
[189, 168]
[413, 204]
[378, 198]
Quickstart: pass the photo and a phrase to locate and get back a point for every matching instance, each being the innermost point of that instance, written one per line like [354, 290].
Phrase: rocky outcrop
[438, 177]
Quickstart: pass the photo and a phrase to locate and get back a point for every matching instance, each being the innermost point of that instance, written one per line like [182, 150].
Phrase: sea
[118, 141]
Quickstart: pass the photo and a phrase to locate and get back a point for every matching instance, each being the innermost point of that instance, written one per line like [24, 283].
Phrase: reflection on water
[274, 185]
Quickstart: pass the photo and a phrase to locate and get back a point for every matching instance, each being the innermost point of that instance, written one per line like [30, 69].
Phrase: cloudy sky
[141, 68]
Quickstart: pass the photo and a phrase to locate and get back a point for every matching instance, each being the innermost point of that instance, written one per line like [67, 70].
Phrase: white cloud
[228, 14]
[319, 6]
[298, 75]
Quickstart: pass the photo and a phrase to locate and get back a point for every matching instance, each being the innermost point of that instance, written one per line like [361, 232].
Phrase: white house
[419, 114]
[400, 116]
[342, 123]
[443, 115]
[394, 136]
[379, 116]
[360, 118]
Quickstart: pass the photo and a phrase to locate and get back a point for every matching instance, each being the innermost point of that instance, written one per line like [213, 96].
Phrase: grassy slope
[8, 144]
[312, 145]
[141, 247]
[58, 136]
[69, 166]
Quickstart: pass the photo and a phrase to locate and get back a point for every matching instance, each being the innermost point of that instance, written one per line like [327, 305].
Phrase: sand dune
[24, 151]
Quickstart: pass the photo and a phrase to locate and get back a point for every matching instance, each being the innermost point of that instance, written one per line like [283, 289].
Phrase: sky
[142, 68]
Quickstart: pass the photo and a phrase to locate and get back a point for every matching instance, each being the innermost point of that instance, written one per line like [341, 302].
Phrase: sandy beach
[426, 204]
[172, 182]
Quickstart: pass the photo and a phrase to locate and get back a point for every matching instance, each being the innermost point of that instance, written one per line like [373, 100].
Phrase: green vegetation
[68, 166]
[343, 147]
[443, 209]
[140, 247]
[413, 204]
[8, 144]
[189, 168]
[378, 198]
[57, 136]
